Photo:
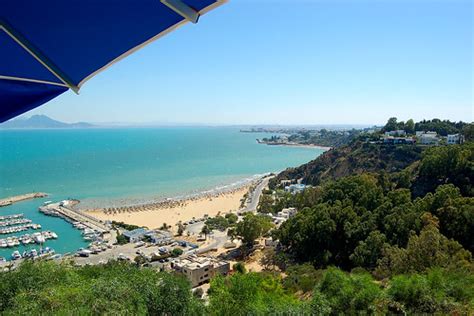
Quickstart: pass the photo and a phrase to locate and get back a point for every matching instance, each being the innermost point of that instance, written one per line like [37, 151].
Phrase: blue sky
[293, 62]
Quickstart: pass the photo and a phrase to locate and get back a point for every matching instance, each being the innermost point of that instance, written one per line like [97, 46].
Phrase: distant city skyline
[292, 63]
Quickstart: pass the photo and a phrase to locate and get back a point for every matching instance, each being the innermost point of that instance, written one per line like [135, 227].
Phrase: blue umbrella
[50, 46]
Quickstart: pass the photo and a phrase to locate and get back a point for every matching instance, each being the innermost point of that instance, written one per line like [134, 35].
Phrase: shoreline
[153, 214]
[89, 204]
[296, 145]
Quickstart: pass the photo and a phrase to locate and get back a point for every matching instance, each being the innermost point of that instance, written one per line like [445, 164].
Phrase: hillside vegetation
[356, 158]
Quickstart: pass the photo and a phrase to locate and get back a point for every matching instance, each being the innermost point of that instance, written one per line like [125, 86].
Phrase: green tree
[424, 251]
[348, 293]
[468, 132]
[391, 125]
[180, 228]
[437, 292]
[121, 239]
[252, 294]
[205, 231]
[369, 251]
[176, 252]
[252, 227]
[265, 204]
[410, 127]
[239, 267]
[231, 218]
[302, 277]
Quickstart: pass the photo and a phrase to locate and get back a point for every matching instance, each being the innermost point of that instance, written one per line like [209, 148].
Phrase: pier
[70, 215]
[18, 198]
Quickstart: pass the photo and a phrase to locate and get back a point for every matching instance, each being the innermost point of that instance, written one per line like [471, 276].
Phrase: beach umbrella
[50, 46]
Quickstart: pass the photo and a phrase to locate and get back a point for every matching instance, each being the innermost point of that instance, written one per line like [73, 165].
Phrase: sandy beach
[153, 215]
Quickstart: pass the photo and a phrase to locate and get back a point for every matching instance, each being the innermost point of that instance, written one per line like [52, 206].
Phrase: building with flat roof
[160, 237]
[429, 138]
[199, 269]
[295, 188]
[398, 132]
[135, 235]
[287, 212]
[455, 139]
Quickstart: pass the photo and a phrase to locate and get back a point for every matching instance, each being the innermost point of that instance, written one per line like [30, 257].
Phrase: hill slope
[41, 121]
[355, 158]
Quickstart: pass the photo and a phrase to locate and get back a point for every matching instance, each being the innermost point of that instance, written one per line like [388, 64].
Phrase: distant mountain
[41, 121]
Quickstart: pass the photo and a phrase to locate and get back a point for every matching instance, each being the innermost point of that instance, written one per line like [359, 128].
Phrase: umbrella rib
[182, 9]
[41, 58]
[34, 80]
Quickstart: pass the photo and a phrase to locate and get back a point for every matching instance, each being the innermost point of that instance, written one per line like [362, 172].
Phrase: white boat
[38, 238]
[84, 252]
[3, 260]
[54, 235]
[3, 243]
[26, 240]
[88, 231]
[33, 253]
[16, 255]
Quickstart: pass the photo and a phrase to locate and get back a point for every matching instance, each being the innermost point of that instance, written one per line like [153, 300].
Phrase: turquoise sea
[116, 165]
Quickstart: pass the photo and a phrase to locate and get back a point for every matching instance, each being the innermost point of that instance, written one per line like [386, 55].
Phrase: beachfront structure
[135, 235]
[200, 270]
[295, 188]
[160, 237]
[455, 139]
[429, 138]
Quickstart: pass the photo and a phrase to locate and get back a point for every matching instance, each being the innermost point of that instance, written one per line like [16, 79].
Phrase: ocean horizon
[103, 166]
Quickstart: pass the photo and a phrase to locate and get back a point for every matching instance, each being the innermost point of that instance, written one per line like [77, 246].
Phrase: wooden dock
[23, 197]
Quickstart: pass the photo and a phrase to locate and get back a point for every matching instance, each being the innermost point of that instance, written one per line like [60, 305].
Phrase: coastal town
[188, 247]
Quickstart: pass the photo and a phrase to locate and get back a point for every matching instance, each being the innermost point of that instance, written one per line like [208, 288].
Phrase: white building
[200, 270]
[287, 212]
[135, 235]
[454, 139]
[160, 237]
[295, 188]
[429, 138]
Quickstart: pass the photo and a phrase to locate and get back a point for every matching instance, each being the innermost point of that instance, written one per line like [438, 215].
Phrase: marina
[13, 216]
[34, 238]
[15, 222]
[16, 229]
[68, 239]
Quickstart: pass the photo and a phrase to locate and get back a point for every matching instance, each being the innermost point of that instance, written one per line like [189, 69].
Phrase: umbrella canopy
[50, 46]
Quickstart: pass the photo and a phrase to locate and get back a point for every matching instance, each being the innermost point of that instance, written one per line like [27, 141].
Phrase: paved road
[195, 229]
[255, 197]
[219, 239]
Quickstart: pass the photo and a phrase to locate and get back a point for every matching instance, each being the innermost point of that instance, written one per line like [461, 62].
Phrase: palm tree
[206, 231]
